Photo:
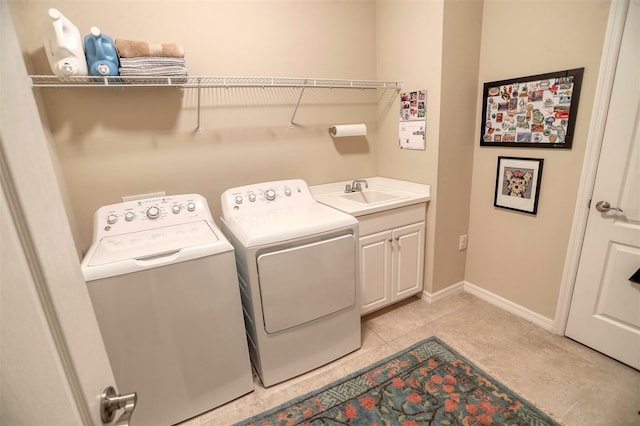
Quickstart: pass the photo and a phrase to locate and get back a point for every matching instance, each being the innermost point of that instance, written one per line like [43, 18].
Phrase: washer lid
[143, 245]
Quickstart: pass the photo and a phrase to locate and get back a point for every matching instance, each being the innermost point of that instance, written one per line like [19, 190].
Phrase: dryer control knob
[238, 199]
[270, 194]
[287, 192]
[153, 212]
[111, 219]
[176, 209]
[252, 197]
[129, 216]
[191, 206]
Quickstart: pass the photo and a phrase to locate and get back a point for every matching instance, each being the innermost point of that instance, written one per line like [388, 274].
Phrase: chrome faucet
[356, 185]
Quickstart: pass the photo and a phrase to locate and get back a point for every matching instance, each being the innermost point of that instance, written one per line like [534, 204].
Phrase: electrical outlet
[462, 244]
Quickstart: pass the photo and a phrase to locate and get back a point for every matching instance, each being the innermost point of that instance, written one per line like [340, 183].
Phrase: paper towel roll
[348, 130]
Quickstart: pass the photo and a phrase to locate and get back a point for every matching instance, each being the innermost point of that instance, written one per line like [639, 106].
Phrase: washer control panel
[266, 196]
[149, 213]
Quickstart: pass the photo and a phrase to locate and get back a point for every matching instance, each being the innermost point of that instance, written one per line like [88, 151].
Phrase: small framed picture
[518, 184]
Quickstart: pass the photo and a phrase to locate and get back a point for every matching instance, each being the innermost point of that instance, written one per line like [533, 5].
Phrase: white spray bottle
[63, 45]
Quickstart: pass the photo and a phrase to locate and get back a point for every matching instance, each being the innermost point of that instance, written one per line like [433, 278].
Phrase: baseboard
[509, 306]
[494, 299]
[449, 291]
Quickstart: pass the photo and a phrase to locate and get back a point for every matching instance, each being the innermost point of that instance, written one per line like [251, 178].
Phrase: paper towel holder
[338, 131]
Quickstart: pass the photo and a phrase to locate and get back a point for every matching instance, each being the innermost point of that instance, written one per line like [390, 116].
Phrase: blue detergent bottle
[102, 57]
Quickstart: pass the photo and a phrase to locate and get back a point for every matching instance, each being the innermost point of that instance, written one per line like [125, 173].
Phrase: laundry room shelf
[204, 82]
[208, 81]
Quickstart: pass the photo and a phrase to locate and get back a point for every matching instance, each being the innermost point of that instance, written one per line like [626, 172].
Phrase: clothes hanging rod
[208, 82]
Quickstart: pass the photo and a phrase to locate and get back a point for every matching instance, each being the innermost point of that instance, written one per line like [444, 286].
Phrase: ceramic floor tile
[391, 323]
[574, 384]
[232, 412]
[369, 338]
[606, 404]
[225, 413]
[414, 336]
[478, 330]
[613, 396]
[336, 370]
[543, 372]
[452, 303]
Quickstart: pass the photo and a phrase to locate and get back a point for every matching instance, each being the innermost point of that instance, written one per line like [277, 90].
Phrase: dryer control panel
[265, 197]
[150, 213]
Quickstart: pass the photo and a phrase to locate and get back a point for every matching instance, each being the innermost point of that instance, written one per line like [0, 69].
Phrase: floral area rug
[428, 383]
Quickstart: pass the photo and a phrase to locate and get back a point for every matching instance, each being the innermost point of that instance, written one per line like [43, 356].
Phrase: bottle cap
[54, 13]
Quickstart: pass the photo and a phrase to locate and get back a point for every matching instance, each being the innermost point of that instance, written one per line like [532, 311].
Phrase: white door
[53, 364]
[605, 308]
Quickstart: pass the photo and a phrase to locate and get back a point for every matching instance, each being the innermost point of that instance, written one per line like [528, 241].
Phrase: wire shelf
[208, 82]
[202, 82]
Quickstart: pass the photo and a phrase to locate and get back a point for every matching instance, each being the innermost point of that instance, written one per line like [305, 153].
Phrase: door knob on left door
[110, 402]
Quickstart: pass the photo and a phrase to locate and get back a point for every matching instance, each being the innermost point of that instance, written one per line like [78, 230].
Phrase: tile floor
[575, 385]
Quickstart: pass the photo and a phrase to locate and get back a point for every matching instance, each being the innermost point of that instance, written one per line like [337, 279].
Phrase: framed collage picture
[518, 184]
[538, 111]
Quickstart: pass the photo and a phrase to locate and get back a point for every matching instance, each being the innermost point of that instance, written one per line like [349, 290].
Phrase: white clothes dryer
[297, 267]
[163, 284]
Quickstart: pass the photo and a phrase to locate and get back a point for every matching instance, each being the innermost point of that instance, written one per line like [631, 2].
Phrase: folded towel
[160, 71]
[132, 48]
[153, 66]
[151, 61]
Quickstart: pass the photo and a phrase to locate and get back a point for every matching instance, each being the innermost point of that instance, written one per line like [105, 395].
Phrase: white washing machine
[163, 284]
[297, 267]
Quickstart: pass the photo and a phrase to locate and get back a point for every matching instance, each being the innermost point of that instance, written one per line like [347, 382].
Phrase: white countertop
[404, 194]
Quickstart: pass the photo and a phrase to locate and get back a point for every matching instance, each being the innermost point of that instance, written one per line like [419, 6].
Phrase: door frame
[606, 75]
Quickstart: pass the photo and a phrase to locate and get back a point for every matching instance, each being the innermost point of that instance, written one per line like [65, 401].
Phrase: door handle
[605, 207]
[110, 402]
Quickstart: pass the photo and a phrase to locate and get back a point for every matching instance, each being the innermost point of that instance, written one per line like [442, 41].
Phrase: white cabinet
[391, 256]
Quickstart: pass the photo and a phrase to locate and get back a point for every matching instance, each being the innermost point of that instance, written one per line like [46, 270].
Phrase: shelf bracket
[198, 128]
[291, 124]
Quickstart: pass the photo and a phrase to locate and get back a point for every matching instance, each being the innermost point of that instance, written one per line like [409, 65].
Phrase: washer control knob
[287, 192]
[238, 199]
[111, 219]
[176, 209]
[153, 212]
[129, 216]
[270, 194]
[252, 197]
[191, 206]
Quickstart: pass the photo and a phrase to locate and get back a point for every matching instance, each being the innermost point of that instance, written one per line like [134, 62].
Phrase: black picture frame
[538, 111]
[518, 182]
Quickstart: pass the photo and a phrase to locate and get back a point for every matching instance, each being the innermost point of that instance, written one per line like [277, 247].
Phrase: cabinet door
[408, 265]
[375, 271]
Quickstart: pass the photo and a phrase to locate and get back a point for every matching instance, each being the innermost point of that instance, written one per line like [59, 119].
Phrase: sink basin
[369, 196]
